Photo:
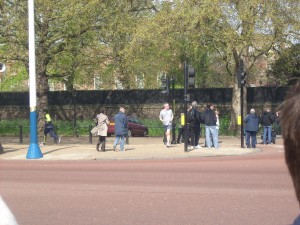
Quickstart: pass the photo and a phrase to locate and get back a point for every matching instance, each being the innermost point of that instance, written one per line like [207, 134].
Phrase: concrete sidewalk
[138, 148]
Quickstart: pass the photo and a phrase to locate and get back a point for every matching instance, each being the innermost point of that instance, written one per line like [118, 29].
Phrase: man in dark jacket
[120, 128]
[251, 128]
[266, 120]
[194, 123]
[210, 120]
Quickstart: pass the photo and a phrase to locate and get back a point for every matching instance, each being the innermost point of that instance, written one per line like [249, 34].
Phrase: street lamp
[34, 151]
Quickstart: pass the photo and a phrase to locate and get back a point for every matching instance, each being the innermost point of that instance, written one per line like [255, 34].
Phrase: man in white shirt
[166, 117]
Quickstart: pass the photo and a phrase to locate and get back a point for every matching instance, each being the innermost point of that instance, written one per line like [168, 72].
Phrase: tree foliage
[286, 69]
[229, 31]
[72, 38]
[77, 41]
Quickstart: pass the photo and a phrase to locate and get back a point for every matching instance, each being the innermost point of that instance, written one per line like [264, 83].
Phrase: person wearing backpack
[266, 120]
[194, 125]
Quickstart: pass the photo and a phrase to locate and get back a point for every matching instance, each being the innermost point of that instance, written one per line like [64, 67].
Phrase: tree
[71, 38]
[286, 69]
[230, 30]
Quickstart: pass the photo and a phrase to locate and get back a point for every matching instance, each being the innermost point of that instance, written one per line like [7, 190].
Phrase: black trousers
[180, 138]
[101, 141]
[192, 135]
[197, 131]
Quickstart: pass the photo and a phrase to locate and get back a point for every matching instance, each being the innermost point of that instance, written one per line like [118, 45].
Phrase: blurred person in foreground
[290, 123]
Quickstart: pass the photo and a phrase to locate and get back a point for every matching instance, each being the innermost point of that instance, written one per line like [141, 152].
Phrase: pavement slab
[79, 148]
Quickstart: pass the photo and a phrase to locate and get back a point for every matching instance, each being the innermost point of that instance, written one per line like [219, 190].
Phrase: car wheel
[129, 133]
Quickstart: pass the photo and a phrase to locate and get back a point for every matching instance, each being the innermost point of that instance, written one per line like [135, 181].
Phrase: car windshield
[137, 121]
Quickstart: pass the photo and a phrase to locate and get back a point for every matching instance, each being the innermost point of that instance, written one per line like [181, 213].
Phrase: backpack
[191, 116]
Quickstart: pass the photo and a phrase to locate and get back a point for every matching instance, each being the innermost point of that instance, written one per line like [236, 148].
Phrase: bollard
[90, 135]
[21, 133]
[127, 139]
[174, 133]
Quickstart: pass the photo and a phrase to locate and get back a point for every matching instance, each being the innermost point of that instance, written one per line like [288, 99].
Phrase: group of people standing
[252, 122]
[210, 118]
[194, 120]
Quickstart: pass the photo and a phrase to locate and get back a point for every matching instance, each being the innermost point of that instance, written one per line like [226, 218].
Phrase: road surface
[233, 190]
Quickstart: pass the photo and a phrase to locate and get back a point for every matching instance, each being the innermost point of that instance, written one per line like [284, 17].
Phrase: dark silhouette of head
[290, 123]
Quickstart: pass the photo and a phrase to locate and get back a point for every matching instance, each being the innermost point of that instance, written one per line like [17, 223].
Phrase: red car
[135, 127]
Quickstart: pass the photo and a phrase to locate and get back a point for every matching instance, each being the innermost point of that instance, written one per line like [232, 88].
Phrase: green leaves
[286, 69]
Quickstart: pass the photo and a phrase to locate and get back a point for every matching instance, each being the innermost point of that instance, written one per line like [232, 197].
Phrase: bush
[155, 127]
[12, 127]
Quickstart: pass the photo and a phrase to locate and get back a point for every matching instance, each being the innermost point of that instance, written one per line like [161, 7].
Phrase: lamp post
[34, 151]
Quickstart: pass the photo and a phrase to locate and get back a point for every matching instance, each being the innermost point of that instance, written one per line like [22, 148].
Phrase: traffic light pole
[242, 117]
[173, 107]
[186, 137]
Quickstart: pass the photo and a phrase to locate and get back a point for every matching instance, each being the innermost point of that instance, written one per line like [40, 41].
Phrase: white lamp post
[34, 151]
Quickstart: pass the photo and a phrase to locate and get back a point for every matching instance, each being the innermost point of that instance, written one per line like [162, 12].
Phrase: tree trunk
[42, 98]
[236, 95]
[235, 108]
[42, 88]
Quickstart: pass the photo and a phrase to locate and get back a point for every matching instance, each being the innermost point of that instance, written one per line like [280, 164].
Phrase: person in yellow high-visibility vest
[49, 129]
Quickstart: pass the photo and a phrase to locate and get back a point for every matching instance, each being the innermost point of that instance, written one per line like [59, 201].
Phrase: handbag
[94, 131]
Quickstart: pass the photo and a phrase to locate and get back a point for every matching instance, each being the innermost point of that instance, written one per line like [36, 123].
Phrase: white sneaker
[197, 147]
[168, 145]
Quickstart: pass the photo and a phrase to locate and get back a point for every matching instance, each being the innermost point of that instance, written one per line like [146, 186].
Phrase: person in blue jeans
[120, 129]
[210, 121]
[266, 120]
[251, 128]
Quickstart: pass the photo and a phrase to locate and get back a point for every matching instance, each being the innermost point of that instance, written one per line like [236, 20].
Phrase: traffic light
[191, 76]
[165, 85]
[2, 67]
[243, 79]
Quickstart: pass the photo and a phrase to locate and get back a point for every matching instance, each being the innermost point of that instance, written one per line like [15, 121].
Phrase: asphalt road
[232, 190]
